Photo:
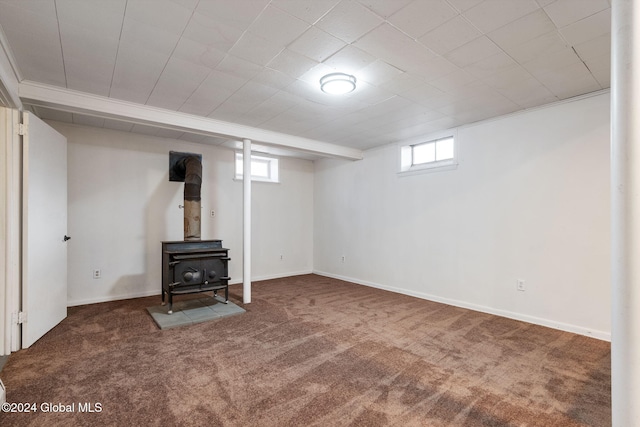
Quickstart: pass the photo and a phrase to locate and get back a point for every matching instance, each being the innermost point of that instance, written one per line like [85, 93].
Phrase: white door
[44, 256]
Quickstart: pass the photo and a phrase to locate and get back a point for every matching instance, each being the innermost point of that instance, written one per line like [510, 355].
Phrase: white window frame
[407, 165]
[273, 165]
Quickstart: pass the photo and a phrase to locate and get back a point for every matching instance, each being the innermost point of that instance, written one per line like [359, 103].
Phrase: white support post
[246, 224]
[625, 213]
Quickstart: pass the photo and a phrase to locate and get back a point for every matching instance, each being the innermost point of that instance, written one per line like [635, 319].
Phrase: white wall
[122, 205]
[529, 200]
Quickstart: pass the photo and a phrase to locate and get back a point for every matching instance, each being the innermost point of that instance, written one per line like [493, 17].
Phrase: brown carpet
[311, 351]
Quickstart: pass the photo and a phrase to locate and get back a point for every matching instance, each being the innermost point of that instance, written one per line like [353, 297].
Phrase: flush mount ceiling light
[338, 83]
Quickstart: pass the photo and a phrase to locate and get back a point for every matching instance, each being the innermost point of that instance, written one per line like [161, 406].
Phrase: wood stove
[194, 266]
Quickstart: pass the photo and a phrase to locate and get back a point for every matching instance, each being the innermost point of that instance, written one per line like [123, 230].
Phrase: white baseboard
[107, 298]
[601, 335]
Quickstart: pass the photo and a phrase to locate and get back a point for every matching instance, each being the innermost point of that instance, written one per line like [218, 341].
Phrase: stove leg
[163, 303]
[226, 294]
[170, 304]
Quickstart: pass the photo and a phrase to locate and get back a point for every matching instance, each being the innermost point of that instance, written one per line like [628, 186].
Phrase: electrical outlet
[212, 213]
[97, 273]
[281, 257]
[344, 258]
[520, 285]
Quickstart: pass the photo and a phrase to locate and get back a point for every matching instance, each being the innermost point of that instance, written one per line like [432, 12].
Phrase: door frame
[10, 252]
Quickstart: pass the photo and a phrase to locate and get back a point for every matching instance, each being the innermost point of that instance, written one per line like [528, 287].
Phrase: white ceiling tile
[416, 57]
[90, 74]
[273, 78]
[45, 8]
[508, 78]
[40, 54]
[198, 53]
[370, 94]
[595, 48]
[378, 72]
[314, 75]
[80, 119]
[491, 65]
[566, 12]
[450, 35]
[212, 33]
[525, 91]
[316, 44]
[474, 51]
[307, 10]
[49, 114]
[387, 43]
[588, 28]
[402, 83]
[137, 35]
[431, 69]
[103, 18]
[523, 29]
[568, 81]
[278, 26]
[192, 137]
[232, 14]
[452, 81]
[544, 3]
[420, 17]
[349, 60]
[166, 15]
[89, 58]
[453, 74]
[239, 67]
[491, 15]
[537, 47]
[551, 61]
[117, 125]
[169, 133]
[137, 70]
[291, 63]
[462, 5]
[270, 108]
[242, 101]
[422, 94]
[217, 87]
[349, 20]
[600, 68]
[178, 81]
[385, 8]
[255, 49]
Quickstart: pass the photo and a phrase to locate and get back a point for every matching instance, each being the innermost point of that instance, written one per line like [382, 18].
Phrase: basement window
[436, 153]
[263, 168]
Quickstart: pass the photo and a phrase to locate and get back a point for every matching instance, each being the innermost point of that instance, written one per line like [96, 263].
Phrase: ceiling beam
[57, 98]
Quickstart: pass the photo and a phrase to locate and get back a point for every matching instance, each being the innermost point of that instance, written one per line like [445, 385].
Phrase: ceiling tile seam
[507, 54]
[115, 62]
[312, 23]
[172, 52]
[571, 45]
[227, 54]
[64, 68]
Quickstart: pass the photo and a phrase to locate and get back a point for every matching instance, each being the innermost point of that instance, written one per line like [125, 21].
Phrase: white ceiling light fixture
[338, 83]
